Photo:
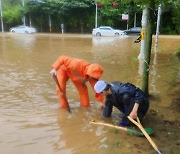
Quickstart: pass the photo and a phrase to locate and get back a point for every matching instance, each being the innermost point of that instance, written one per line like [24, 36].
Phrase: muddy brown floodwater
[31, 121]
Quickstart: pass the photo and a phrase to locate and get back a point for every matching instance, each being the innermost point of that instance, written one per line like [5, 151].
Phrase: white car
[107, 31]
[22, 29]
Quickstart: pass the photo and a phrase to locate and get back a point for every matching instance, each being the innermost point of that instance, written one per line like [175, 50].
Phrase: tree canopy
[79, 15]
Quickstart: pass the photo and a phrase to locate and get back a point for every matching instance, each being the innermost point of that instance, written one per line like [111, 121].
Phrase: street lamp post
[23, 18]
[50, 23]
[2, 25]
[157, 27]
[135, 19]
[96, 17]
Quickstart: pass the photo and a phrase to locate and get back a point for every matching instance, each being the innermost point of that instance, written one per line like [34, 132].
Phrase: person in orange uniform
[80, 72]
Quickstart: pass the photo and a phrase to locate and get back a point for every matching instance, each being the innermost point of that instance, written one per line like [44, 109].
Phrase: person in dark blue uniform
[124, 96]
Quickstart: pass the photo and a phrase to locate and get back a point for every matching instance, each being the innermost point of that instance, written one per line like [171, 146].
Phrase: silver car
[107, 31]
[22, 29]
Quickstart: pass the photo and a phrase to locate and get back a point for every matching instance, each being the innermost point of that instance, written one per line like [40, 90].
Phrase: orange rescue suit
[79, 71]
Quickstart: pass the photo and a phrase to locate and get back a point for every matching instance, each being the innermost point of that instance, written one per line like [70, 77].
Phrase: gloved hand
[53, 72]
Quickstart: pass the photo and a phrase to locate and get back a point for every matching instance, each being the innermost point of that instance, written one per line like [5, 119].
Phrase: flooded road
[31, 121]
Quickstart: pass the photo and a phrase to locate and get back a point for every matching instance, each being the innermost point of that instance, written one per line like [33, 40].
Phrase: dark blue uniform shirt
[123, 97]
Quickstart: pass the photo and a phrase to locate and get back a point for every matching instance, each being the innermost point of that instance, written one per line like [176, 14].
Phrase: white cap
[100, 86]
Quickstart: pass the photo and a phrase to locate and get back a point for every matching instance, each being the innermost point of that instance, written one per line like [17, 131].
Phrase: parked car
[107, 31]
[22, 29]
[134, 30]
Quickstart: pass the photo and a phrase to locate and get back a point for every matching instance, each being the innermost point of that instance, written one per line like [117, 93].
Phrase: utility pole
[30, 22]
[23, 18]
[96, 17]
[2, 25]
[143, 42]
[144, 27]
[127, 24]
[157, 27]
[135, 20]
[147, 55]
[50, 23]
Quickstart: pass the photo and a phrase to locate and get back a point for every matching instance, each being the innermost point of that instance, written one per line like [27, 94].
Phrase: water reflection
[23, 40]
[77, 132]
[154, 72]
[106, 41]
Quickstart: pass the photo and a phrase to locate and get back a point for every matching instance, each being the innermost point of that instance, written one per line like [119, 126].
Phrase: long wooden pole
[145, 133]
[121, 128]
[110, 125]
[61, 91]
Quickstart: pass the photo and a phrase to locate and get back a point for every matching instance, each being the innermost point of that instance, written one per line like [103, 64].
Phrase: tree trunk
[82, 28]
[2, 25]
[134, 19]
[50, 23]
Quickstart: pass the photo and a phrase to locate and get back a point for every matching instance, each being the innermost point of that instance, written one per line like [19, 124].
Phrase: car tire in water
[13, 31]
[26, 32]
[98, 34]
[116, 34]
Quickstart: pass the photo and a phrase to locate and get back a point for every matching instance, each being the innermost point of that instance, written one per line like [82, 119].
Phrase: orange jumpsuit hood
[94, 70]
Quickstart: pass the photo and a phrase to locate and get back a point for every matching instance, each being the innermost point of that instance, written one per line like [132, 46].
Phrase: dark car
[22, 29]
[134, 30]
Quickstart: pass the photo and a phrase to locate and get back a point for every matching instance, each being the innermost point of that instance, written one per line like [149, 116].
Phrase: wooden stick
[118, 127]
[110, 125]
[145, 133]
[61, 91]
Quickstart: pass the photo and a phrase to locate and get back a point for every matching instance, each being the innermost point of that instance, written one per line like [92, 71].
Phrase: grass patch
[115, 131]
[178, 53]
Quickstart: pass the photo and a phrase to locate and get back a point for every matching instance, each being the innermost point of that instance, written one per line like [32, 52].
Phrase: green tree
[37, 14]
[112, 15]
[12, 11]
[151, 6]
[79, 15]
[170, 18]
[75, 14]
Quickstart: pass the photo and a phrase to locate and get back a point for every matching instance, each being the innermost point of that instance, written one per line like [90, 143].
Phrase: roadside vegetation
[78, 16]
[178, 53]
